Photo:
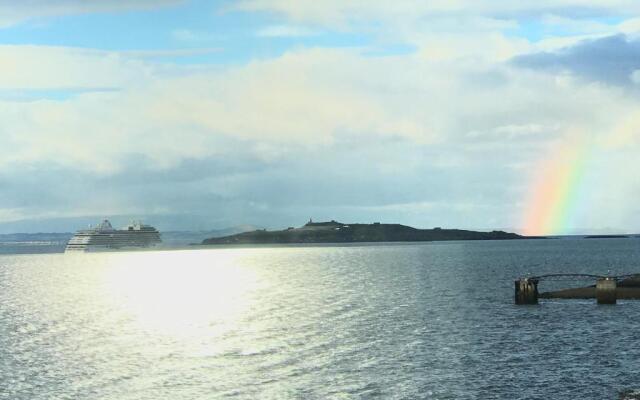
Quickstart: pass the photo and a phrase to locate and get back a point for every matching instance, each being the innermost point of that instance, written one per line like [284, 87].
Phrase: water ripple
[428, 321]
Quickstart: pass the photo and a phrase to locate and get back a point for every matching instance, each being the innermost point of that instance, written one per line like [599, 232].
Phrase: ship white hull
[102, 249]
[105, 238]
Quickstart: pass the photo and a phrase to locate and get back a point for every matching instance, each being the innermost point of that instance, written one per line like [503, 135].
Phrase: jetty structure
[606, 290]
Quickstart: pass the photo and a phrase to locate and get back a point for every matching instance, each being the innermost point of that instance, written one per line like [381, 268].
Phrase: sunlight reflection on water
[181, 292]
[399, 321]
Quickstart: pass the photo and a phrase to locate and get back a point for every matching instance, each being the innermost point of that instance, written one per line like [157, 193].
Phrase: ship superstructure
[105, 237]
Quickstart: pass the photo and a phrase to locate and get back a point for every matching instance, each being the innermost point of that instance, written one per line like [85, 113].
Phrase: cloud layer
[611, 59]
[15, 12]
[454, 133]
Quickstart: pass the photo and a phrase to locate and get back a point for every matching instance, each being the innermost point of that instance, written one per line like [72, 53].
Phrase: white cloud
[285, 31]
[630, 27]
[306, 97]
[576, 31]
[562, 22]
[45, 67]
[11, 214]
[173, 53]
[191, 36]
[14, 12]
[454, 94]
[339, 13]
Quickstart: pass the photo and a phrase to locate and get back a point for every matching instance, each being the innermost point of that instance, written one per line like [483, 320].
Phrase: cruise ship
[105, 237]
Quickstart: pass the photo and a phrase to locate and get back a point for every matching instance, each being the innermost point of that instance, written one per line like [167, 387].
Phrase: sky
[192, 114]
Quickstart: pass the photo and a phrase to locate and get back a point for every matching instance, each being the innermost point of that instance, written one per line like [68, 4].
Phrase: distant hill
[48, 238]
[607, 237]
[183, 238]
[33, 243]
[338, 232]
[37, 243]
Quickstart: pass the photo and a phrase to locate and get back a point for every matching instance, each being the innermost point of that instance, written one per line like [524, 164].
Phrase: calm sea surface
[403, 321]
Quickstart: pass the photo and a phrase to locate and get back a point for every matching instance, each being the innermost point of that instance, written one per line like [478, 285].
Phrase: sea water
[390, 321]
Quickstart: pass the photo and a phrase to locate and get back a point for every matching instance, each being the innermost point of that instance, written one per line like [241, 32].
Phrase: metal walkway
[578, 277]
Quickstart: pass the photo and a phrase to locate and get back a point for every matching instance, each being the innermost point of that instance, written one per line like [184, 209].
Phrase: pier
[605, 290]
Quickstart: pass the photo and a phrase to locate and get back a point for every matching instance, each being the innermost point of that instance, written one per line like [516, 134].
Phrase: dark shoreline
[607, 237]
[337, 232]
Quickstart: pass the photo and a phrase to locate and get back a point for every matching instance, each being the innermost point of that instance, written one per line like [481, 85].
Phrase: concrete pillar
[526, 291]
[606, 291]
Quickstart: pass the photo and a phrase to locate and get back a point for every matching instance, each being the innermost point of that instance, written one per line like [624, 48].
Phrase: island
[338, 232]
[607, 237]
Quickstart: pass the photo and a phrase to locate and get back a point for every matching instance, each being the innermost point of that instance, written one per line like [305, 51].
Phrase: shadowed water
[402, 321]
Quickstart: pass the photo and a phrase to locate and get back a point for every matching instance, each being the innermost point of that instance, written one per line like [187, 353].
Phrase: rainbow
[556, 189]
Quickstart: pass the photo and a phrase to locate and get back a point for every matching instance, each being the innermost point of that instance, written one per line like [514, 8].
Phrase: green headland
[338, 232]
